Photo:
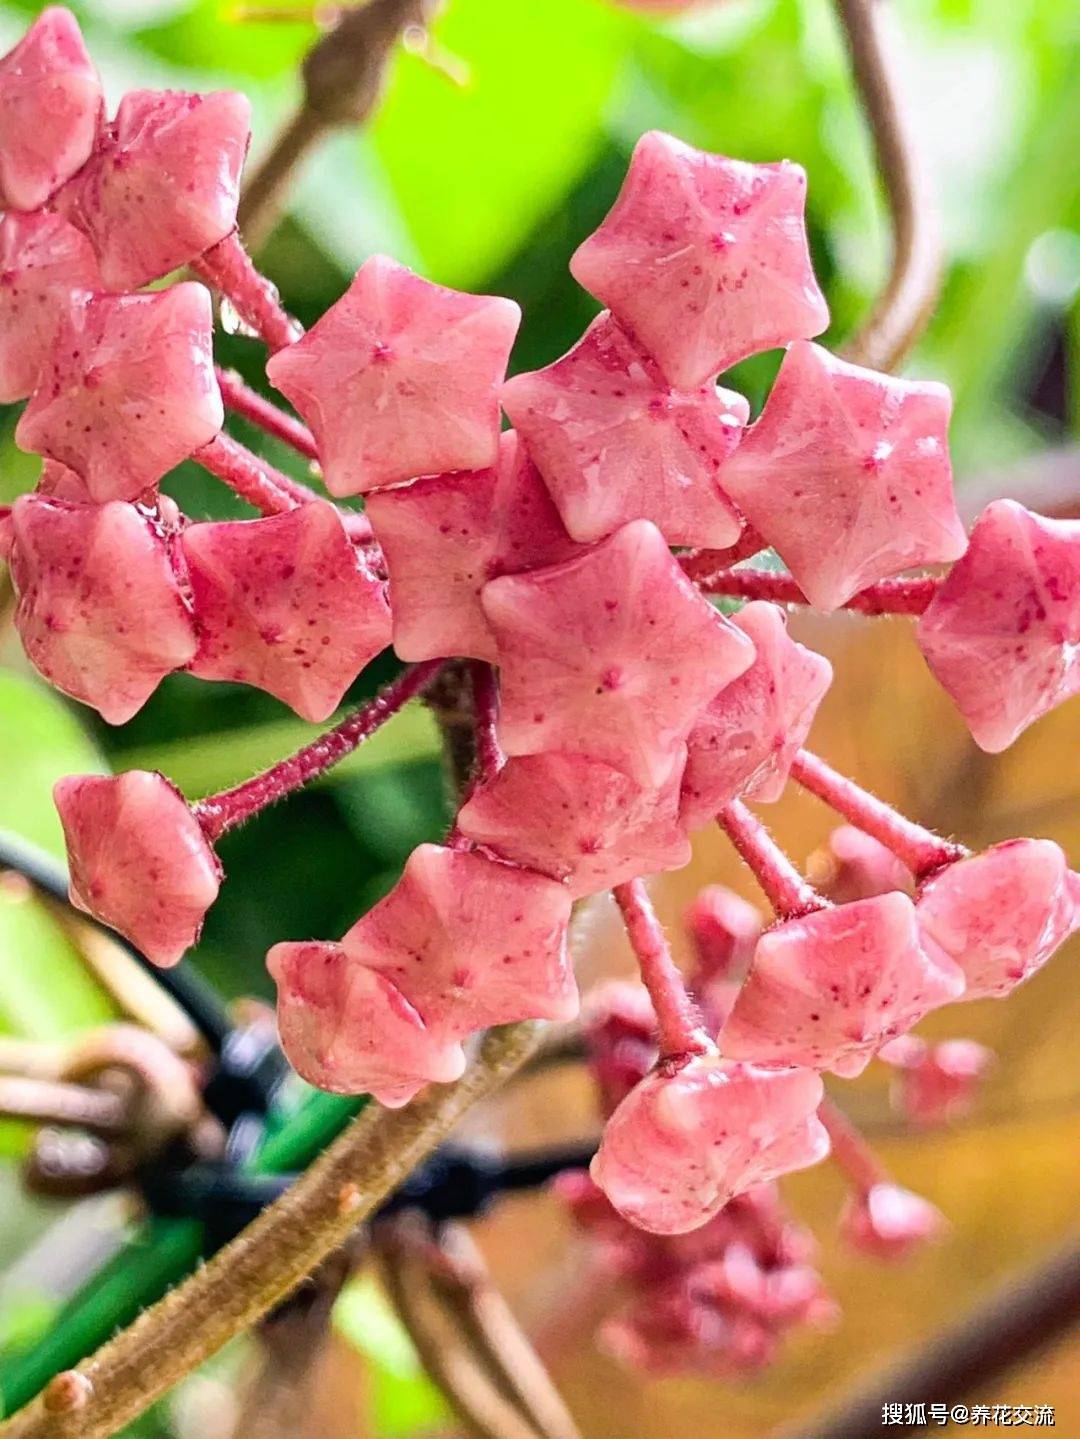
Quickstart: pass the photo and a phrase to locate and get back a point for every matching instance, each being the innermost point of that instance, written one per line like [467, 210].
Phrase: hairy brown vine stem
[243, 1281]
[343, 78]
[905, 304]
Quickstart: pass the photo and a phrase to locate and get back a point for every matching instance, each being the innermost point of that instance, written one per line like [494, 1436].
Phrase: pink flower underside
[445, 536]
[50, 109]
[138, 859]
[745, 741]
[1002, 635]
[847, 473]
[578, 820]
[854, 865]
[704, 259]
[680, 1147]
[285, 604]
[43, 260]
[162, 184]
[616, 443]
[611, 655]
[1000, 915]
[100, 611]
[400, 378]
[829, 989]
[128, 391]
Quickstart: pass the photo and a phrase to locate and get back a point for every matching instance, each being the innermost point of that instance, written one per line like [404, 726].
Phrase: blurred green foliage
[490, 185]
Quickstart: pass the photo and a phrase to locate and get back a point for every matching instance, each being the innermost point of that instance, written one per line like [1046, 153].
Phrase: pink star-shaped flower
[855, 865]
[889, 1222]
[938, 1083]
[285, 604]
[1001, 914]
[703, 259]
[1002, 634]
[470, 942]
[611, 655]
[445, 536]
[50, 109]
[681, 1145]
[847, 473]
[100, 610]
[723, 930]
[830, 988]
[139, 861]
[578, 820]
[42, 260]
[400, 378]
[162, 184]
[746, 739]
[616, 443]
[347, 1029]
[128, 390]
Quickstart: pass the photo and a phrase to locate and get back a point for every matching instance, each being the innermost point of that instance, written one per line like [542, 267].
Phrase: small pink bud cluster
[615, 709]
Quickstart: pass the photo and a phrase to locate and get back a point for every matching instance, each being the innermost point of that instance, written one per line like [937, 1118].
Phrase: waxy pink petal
[162, 184]
[746, 739]
[100, 610]
[723, 930]
[829, 989]
[847, 474]
[612, 655]
[855, 865]
[348, 1030]
[1000, 915]
[889, 1222]
[578, 820]
[400, 378]
[704, 259]
[616, 443]
[470, 942]
[938, 1083]
[680, 1146]
[50, 109]
[1002, 634]
[128, 391]
[43, 260]
[286, 604]
[138, 859]
[445, 536]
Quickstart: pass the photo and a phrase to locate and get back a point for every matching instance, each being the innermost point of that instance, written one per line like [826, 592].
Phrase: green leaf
[475, 168]
[403, 1399]
[46, 992]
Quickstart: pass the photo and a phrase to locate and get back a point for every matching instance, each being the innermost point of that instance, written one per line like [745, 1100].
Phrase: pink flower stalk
[43, 260]
[829, 989]
[704, 260]
[889, 1222]
[724, 930]
[578, 820]
[470, 942]
[347, 1029]
[445, 536]
[1000, 915]
[936, 1084]
[611, 655]
[128, 390]
[400, 378]
[139, 859]
[854, 865]
[678, 1019]
[855, 455]
[746, 739]
[681, 1145]
[285, 604]
[616, 443]
[50, 109]
[100, 611]
[1002, 635]
[162, 184]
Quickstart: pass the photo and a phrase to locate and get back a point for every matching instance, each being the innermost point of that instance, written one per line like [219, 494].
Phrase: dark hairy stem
[343, 79]
[903, 308]
[248, 1277]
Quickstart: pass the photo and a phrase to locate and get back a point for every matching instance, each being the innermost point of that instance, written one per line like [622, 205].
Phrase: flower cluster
[615, 708]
